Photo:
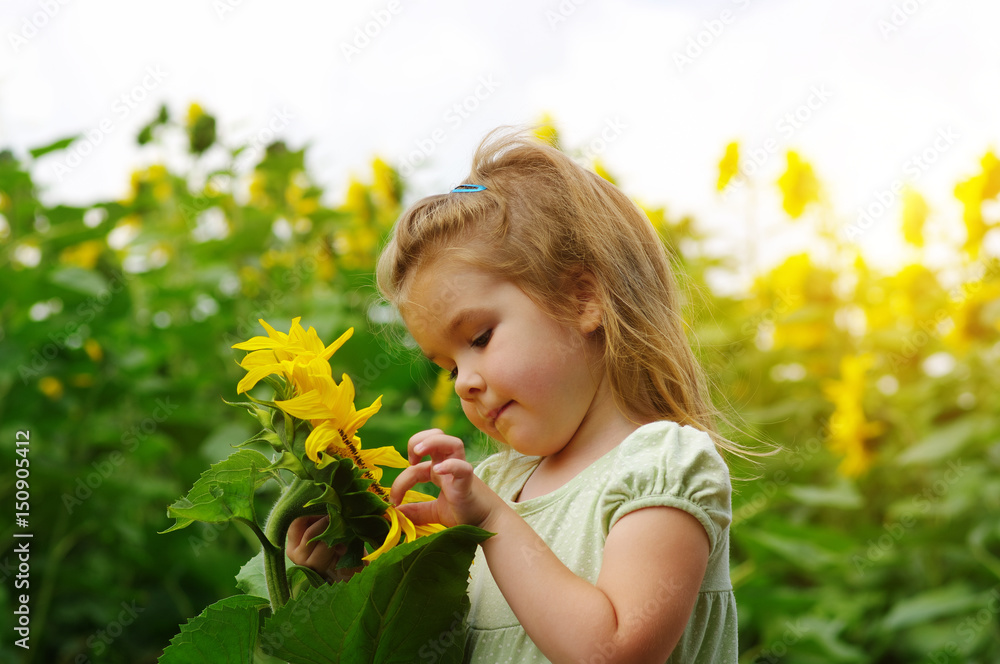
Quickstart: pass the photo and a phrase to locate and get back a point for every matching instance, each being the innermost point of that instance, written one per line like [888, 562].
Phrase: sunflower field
[872, 534]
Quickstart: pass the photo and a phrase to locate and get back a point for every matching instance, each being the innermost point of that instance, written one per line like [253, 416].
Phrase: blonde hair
[543, 222]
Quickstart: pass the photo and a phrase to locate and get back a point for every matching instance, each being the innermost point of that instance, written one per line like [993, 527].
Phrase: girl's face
[524, 378]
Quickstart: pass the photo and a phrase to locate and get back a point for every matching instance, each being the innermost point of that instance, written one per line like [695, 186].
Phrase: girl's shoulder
[666, 464]
[665, 442]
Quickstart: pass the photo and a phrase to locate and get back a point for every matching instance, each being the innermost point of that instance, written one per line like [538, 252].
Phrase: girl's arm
[654, 562]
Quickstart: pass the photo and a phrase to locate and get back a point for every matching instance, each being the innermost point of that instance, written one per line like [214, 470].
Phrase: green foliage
[223, 632]
[407, 604]
[223, 493]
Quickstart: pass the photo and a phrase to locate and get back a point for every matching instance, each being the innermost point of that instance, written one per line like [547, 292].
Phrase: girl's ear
[588, 299]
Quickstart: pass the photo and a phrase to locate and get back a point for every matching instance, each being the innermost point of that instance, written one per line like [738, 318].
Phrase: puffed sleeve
[663, 464]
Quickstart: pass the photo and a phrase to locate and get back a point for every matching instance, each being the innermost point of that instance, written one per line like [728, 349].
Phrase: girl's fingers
[405, 481]
[459, 470]
[298, 529]
[421, 513]
[317, 528]
[416, 440]
[435, 443]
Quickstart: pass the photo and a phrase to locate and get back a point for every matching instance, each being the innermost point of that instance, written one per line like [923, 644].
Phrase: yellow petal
[384, 456]
[308, 406]
[409, 530]
[391, 539]
[358, 419]
[332, 348]
[320, 439]
[254, 376]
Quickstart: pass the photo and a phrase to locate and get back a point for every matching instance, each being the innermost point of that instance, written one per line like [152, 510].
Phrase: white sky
[887, 95]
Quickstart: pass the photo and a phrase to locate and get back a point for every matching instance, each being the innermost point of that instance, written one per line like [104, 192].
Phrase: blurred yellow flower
[358, 202]
[729, 165]
[258, 190]
[971, 193]
[801, 335]
[82, 255]
[914, 215]
[51, 387]
[848, 428]
[546, 131]
[601, 170]
[274, 257]
[357, 246]
[82, 380]
[386, 185]
[788, 286]
[991, 175]
[195, 111]
[297, 200]
[976, 317]
[155, 177]
[93, 350]
[444, 389]
[901, 300]
[799, 186]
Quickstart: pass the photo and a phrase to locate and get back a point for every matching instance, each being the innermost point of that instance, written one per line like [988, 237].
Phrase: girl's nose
[469, 383]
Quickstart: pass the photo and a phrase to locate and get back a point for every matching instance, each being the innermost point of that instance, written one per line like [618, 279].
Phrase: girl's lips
[494, 414]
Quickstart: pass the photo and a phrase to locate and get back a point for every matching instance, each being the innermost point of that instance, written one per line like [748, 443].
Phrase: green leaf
[87, 282]
[411, 602]
[224, 492]
[931, 605]
[226, 631]
[942, 443]
[61, 144]
[201, 133]
[843, 495]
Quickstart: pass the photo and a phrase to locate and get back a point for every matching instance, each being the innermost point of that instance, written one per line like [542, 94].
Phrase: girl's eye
[453, 374]
[482, 339]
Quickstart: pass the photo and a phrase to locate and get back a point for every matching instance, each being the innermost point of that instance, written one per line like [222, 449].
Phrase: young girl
[548, 296]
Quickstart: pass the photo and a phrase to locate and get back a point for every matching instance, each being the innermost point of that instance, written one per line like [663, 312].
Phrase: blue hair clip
[463, 188]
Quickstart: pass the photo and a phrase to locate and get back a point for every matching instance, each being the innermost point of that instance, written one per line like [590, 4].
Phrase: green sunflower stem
[289, 433]
[290, 506]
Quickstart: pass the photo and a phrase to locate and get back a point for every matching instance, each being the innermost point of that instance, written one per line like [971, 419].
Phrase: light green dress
[660, 464]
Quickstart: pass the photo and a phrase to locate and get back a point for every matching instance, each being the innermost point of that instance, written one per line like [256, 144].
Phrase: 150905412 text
[22, 550]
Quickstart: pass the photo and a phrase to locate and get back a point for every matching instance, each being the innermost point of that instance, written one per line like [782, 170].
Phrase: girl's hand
[464, 498]
[317, 556]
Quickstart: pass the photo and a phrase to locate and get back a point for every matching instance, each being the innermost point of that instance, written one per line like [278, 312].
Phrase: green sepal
[263, 436]
[411, 598]
[289, 461]
[354, 556]
[260, 414]
[227, 631]
[354, 510]
[279, 385]
[224, 492]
